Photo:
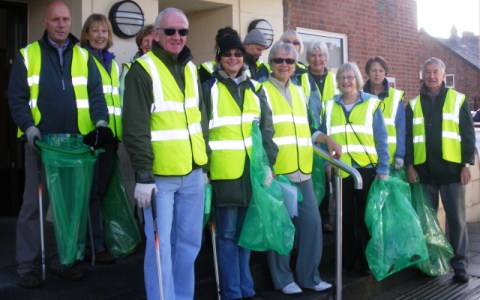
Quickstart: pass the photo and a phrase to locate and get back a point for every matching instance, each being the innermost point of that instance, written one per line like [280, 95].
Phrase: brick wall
[467, 77]
[373, 28]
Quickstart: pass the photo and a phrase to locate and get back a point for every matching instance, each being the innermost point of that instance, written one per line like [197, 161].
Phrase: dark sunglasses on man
[172, 31]
[288, 61]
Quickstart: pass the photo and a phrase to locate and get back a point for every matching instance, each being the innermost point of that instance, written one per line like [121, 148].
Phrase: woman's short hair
[145, 31]
[281, 46]
[434, 61]
[350, 66]
[92, 20]
[317, 45]
[379, 60]
[290, 34]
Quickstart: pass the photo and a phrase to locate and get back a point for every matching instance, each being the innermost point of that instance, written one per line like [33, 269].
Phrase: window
[337, 45]
[450, 81]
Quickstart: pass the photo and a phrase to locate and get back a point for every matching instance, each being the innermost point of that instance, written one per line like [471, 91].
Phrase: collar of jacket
[72, 40]
[182, 58]
[426, 93]
[222, 76]
[368, 89]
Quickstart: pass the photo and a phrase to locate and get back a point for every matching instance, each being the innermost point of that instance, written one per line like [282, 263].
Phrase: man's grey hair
[434, 61]
[167, 11]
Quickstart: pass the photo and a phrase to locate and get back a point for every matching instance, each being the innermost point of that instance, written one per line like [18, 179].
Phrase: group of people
[184, 127]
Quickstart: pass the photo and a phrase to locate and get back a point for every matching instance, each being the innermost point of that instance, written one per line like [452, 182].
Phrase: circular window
[127, 19]
[265, 27]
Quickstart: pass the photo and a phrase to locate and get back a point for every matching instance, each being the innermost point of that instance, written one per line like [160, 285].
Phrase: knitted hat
[255, 36]
[228, 42]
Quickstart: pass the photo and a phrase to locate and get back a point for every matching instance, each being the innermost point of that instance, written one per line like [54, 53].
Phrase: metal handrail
[358, 184]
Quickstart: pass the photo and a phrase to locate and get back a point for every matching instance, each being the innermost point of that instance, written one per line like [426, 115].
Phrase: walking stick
[40, 214]
[215, 260]
[157, 244]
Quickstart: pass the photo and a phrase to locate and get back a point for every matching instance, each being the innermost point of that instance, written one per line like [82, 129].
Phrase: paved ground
[124, 280]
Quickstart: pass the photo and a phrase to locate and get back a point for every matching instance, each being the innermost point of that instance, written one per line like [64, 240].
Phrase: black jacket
[436, 170]
[56, 99]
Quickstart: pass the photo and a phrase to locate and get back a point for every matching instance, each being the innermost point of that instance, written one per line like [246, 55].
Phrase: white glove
[268, 178]
[205, 178]
[398, 163]
[143, 193]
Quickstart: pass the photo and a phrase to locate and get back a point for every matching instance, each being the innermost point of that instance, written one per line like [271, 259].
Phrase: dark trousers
[355, 234]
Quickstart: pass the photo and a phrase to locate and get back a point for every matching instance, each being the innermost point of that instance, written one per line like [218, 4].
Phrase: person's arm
[96, 98]
[205, 109]
[380, 136]
[138, 99]
[266, 127]
[400, 128]
[467, 134]
[19, 95]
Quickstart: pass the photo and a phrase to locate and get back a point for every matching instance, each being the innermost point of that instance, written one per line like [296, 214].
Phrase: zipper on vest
[63, 84]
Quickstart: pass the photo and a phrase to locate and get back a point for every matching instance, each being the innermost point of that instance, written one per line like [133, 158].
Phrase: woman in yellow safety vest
[294, 139]
[96, 37]
[353, 119]
[233, 103]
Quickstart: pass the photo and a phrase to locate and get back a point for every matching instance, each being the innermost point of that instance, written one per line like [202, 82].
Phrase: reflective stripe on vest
[230, 131]
[111, 86]
[209, 65]
[176, 132]
[362, 149]
[451, 140]
[292, 131]
[389, 113]
[32, 56]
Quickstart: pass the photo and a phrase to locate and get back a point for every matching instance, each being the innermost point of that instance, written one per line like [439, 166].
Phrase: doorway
[13, 36]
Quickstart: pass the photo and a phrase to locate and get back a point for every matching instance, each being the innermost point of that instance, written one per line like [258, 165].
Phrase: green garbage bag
[119, 225]
[397, 240]
[439, 249]
[207, 209]
[318, 178]
[69, 168]
[267, 225]
[400, 174]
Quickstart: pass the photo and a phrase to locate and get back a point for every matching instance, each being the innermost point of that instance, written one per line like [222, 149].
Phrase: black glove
[98, 137]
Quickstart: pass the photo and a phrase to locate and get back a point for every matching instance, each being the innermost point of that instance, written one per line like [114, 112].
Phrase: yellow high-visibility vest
[389, 113]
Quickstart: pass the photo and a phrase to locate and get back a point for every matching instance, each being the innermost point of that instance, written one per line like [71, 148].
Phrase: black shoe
[104, 258]
[327, 228]
[30, 280]
[70, 274]
[364, 272]
[460, 276]
[254, 297]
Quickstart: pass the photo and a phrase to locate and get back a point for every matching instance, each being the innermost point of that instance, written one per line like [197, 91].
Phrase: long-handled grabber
[157, 244]
[40, 214]
[215, 260]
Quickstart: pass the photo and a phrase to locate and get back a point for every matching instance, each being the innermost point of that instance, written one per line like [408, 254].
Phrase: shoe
[70, 274]
[327, 228]
[254, 297]
[364, 272]
[104, 258]
[460, 276]
[291, 288]
[322, 286]
[30, 280]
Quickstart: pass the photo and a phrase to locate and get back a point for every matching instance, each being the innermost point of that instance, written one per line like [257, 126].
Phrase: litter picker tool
[215, 260]
[157, 244]
[40, 214]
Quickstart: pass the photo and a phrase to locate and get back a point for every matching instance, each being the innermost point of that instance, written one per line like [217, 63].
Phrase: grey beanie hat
[255, 36]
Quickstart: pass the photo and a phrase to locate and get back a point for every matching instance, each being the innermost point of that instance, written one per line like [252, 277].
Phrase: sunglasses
[288, 61]
[171, 31]
[230, 54]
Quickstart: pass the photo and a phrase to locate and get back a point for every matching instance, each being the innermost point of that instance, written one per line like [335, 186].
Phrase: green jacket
[137, 101]
[238, 192]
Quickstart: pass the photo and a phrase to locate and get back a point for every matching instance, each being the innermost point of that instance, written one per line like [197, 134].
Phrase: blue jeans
[235, 277]
[180, 215]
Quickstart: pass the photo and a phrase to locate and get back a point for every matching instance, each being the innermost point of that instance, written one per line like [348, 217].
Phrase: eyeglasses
[346, 78]
[288, 61]
[171, 31]
[296, 43]
[232, 53]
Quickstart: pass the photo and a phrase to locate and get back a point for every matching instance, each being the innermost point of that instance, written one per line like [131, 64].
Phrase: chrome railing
[358, 183]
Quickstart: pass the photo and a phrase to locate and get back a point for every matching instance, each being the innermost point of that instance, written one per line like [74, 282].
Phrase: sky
[438, 16]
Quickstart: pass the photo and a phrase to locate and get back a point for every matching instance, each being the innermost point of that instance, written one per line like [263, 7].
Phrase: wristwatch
[466, 165]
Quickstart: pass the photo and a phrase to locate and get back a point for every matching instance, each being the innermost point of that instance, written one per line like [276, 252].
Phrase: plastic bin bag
[69, 166]
[267, 225]
[119, 225]
[318, 178]
[207, 203]
[439, 249]
[397, 240]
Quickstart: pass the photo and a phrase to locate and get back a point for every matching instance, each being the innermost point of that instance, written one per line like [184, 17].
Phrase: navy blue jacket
[56, 99]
